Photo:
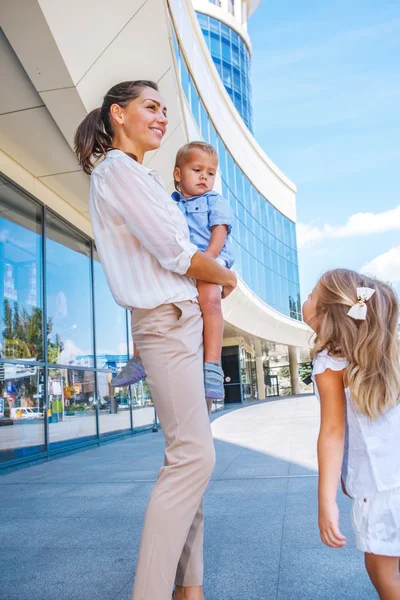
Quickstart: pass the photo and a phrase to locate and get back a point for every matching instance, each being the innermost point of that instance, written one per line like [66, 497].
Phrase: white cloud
[386, 266]
[70, 352]
[360, 224]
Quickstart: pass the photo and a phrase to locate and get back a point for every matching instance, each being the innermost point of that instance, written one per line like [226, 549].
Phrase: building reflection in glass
[21, 410]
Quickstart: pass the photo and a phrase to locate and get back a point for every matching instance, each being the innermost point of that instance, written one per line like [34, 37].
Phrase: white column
[294, 375]
[238, 10]
[260, 370]
[224, 5]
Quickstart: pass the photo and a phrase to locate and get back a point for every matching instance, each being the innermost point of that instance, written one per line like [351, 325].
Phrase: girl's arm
[330, 454]
[217, 241]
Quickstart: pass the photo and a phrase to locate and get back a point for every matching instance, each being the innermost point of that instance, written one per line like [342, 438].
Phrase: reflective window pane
[143, 407]
[69, 294]
[114, 406]
[194, 102]
[232, 60]
[20, 275]
[203, 20]
[204, 123]
[21, 411]
[231, 173]
[111, 324]
[184, 78]
[72, 405]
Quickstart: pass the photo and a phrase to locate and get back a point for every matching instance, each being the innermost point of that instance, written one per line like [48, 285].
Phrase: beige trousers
[170, 341]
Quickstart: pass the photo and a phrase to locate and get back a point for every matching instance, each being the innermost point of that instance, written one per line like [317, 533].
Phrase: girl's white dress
[371, 470]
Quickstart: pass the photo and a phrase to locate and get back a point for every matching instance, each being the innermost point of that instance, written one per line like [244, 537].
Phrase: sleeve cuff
[185, 258]
[214, 222]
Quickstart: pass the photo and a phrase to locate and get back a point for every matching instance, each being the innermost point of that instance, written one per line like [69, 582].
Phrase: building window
[231, 7]
[111, 342]
[22, 402]
[232, 59]
[20, 276]
[50, 270]
[69, 294]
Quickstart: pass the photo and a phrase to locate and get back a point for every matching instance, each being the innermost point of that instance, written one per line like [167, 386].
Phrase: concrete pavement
[70, 528]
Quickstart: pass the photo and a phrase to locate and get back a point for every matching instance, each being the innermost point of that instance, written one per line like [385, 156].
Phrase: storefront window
[72, 405]
[114, 406]
[21, 411]
[111, 324]
[143, 407]
[20, 276]
[75, 389]
[69, 295]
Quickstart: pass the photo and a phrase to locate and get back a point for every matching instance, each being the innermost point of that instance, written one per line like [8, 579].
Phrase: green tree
[18, 326]
[33, 331]
[23, 335]
[7, 320]
[284, 372]
[305, 370]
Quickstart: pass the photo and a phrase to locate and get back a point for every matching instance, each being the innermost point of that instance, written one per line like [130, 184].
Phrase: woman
[143, 242]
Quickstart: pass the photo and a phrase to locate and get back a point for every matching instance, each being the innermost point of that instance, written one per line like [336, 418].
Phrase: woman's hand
[328, 522]
[228, 289]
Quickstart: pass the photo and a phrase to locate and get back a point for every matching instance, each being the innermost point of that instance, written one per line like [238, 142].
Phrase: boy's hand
[328, 522]
[228, 289]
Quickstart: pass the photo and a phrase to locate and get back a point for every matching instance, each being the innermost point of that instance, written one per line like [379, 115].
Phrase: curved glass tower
[232, 59]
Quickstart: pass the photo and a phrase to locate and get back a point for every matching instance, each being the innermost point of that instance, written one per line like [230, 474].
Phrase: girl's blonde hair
[370, 346]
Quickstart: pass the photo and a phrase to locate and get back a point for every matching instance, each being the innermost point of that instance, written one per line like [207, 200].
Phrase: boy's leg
[210, 304]
[384, 574]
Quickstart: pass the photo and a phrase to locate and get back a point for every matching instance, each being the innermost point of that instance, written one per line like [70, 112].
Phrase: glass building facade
[264, 239]
[232, 59]
[62, 337]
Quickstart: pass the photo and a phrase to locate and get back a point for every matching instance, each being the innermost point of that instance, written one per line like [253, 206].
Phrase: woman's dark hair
[94, 135]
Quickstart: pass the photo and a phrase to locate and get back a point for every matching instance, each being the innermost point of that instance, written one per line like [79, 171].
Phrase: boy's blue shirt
[204, 212]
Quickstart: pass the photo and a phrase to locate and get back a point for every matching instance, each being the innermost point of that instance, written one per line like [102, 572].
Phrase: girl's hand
[328, 522]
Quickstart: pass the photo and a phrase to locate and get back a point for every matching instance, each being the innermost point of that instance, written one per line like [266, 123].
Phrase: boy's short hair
[187, 148]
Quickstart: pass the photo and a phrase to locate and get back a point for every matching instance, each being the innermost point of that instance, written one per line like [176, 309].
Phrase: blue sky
[326, 98]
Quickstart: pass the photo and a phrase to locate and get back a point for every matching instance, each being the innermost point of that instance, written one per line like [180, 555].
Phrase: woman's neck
[129, 147]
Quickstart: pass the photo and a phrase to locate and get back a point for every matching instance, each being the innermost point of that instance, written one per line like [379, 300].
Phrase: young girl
[357, 374]
[209, 218]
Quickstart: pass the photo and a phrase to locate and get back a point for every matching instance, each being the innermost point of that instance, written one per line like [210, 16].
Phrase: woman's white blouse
[371, 461]
[141, 235]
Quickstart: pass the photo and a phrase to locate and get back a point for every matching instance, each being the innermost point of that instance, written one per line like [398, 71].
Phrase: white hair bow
[359, 310]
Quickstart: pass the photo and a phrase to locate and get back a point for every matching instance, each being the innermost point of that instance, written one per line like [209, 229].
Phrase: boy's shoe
[131, 373]
[214, 381]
